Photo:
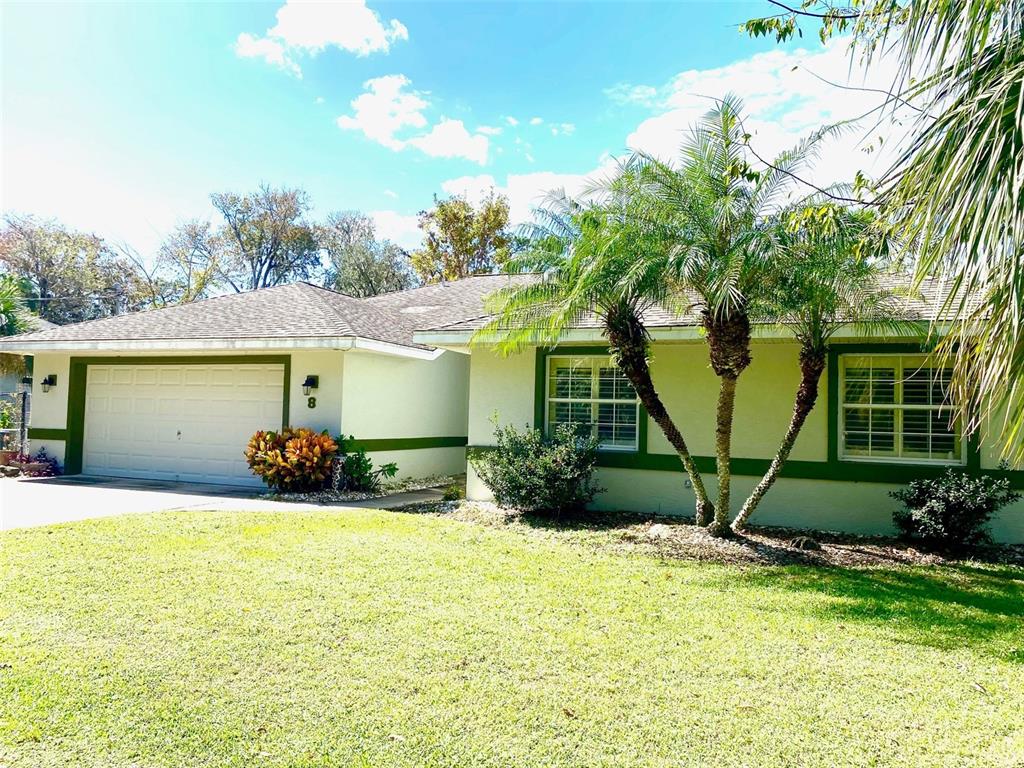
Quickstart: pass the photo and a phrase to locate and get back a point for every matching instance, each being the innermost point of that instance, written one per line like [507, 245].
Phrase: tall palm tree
[596, 258]
[832, 277]
[717, 207]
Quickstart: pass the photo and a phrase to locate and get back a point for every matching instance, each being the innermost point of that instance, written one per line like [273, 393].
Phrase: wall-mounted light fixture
[49, 381]
[311, 383]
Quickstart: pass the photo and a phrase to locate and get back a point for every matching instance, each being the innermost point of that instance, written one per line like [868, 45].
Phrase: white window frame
[548, 399]
[898, 409]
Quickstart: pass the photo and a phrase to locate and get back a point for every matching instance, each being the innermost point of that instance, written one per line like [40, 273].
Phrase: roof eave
[28, 347]
[765, 332]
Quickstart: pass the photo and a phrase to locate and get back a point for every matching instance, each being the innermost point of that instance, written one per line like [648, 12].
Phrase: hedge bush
[296, 460]
[951, 512]
[531, 472]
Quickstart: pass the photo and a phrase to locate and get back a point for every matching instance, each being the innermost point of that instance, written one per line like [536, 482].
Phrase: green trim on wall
[409, 443]
[830, 469]
[46, 433]
[78, 376]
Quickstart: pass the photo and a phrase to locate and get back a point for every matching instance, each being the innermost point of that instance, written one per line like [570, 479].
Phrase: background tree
[955, 187]
[68, 276]
[603, 258]
[265, 239]
[460, 240]
[358, 263]
[187, 262]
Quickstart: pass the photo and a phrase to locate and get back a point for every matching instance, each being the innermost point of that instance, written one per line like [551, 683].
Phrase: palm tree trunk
[723, 454]
[812, 363]
[628, 340]
[729, 348]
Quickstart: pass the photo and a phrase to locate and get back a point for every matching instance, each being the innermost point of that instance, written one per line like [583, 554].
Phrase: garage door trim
[73, 452]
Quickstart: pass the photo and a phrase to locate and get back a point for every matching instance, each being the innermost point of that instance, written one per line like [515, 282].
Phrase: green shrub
[295, 460]
[354, 470]
[952, 511]
[535, 473]
[453, 493]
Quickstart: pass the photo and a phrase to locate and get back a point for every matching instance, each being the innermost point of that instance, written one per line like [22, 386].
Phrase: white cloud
[784, 102]
[319, 99]
[563, 129]
[307, 27]
[536, 120]
[488, 130]
[512, 121]
[271, 51]
[624, 93]
[388, 107]
[391, 193]
[398, 228]
[385, 109]
[449, 138]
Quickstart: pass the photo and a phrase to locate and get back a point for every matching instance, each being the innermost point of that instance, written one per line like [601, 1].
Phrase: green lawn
[364, 638]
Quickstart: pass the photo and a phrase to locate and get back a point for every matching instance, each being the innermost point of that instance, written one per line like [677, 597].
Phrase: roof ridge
[441, 283]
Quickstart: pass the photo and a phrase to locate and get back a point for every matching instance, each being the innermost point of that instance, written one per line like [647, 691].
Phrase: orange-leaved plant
[295, 459]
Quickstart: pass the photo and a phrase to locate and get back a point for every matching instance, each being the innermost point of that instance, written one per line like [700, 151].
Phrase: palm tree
[722, 248]
[833, 265]
[598, 258]
[14, 318]
[955, 187]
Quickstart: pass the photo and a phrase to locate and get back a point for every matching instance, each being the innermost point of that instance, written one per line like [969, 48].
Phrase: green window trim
[832, 468]
[78, 377]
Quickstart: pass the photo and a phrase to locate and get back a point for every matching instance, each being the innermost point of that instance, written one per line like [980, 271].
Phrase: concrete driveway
[45, 501]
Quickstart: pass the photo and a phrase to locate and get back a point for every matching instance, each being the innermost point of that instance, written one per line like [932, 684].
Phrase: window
[896, 408]
[591, 391]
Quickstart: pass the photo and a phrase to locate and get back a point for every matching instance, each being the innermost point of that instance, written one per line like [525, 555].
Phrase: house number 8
[311, 402]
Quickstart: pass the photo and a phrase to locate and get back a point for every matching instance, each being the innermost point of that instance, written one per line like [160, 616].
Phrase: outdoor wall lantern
[311, 383]
[49, 381]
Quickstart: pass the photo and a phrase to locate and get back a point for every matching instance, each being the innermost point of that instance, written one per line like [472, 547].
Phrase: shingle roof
[924, 305]
[297, 310]
[303, 310]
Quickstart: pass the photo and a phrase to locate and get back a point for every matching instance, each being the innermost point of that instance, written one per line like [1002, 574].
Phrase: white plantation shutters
[897, 408]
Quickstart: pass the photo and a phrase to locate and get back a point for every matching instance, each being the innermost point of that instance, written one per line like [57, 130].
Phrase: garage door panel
[189, 423]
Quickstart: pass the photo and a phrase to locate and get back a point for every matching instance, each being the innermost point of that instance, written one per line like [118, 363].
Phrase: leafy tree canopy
[358, 263]
[461, 240]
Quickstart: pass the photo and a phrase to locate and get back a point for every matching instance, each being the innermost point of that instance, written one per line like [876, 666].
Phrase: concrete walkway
[45, 501]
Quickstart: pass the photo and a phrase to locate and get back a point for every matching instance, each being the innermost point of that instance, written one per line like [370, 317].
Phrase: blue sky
[122, 119]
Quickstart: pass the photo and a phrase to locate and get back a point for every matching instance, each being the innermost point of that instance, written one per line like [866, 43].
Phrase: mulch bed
[676, 539]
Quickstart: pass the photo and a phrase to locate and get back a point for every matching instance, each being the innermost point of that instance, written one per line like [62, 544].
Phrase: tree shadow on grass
[948, 608]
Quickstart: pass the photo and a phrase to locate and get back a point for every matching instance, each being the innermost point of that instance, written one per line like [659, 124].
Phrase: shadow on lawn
[949, 607]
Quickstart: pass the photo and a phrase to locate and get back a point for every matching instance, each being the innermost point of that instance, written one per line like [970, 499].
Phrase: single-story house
[175, 393]
[881, 419]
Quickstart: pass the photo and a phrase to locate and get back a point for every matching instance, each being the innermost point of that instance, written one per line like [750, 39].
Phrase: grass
[365, 638]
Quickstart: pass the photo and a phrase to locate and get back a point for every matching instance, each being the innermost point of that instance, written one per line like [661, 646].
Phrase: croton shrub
[294, 459]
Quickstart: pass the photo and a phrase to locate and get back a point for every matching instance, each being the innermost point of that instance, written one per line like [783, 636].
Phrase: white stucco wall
[329, 366]
[689, 388]
[388, 397]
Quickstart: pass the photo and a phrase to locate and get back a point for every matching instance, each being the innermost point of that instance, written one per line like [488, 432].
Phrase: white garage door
[178, 422]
